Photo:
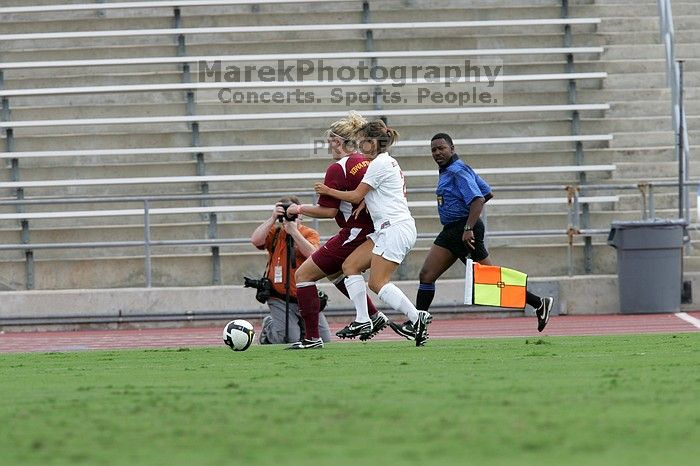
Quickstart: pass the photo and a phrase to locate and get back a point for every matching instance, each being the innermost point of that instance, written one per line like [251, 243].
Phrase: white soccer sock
[355, 285]
[394, 297]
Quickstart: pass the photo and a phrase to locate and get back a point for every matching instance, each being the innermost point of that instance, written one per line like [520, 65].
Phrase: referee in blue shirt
[461, 195]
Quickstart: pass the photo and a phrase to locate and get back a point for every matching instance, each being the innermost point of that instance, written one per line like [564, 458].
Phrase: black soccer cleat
[406, 329]
[421, 326]
[355, 329]
[379, 322]
[543, 313]
[316, 343]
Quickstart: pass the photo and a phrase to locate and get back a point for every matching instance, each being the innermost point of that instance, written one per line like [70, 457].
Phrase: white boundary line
[688, 318]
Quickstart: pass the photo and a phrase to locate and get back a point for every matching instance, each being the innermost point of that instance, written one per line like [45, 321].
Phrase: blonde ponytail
[346, 128]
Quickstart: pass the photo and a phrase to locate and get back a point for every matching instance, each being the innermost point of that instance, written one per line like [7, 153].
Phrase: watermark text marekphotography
[312, 82]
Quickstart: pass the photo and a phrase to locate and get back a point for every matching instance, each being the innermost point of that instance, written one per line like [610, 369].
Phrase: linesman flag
[490, 285]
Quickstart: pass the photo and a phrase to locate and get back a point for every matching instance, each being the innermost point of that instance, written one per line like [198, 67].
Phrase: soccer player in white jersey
[384, 190]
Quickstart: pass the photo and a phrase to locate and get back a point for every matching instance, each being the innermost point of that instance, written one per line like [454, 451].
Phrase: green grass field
[545, 401]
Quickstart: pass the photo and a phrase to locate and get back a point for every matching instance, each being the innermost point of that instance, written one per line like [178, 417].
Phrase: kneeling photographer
[284, 238]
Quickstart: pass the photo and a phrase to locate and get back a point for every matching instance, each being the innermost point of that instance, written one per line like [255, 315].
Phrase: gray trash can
[649, 264]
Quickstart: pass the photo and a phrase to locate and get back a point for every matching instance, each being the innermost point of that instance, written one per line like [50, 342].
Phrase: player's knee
[423, 276]
[426, 276]
[351, 269]
[301, 276]
[376, 285]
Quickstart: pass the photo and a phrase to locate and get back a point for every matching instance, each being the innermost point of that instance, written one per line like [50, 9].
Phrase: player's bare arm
[315, 211]
[354, 197]
[475, 209]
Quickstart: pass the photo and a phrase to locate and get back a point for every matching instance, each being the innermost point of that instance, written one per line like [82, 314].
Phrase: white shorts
[394, 241]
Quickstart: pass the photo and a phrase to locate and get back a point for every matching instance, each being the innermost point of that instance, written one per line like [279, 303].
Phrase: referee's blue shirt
[458, 185]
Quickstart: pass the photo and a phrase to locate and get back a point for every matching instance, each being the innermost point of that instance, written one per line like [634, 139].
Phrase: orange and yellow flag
[491, 285]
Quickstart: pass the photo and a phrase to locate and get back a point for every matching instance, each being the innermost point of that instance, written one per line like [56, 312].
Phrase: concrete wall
[575, 295]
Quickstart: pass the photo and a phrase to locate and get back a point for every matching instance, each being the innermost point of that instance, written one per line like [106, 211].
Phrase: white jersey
[386, 201]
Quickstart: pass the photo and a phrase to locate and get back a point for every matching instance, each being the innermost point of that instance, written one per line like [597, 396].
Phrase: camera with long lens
[290, 218]
[263, 285]
[323, 300]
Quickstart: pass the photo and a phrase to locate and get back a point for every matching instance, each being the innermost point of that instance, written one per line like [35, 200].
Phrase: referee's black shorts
[450, 238]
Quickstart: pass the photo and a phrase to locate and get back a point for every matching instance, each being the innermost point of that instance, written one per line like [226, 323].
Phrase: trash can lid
[652, 222]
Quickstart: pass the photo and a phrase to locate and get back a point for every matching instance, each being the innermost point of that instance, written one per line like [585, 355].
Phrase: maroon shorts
[330, 256]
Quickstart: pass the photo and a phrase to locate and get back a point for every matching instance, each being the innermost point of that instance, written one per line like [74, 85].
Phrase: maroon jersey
[345, 175]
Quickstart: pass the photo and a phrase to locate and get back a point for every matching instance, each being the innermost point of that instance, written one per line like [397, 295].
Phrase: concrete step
[256, 42]
[623, 95]
[648, 108]
[641, 170]
[687, 37]
[415, 158]
[687, 50]
[182, 139]
[628, 124]
[195, 270]
[91, 77]
[278, 186]
[77, 172]
[652, 80]
[691, 263]
[642, 23]
[613, 9]
[93, 19]
[634, 52]
[178, 109]
[265, 200]
[128, 103]
[232, 133]
[158, 74]
[82, 231]
[240, 225]
[406, 94]
[397, 10]
[513, 96]
[495, 242]
[664, 199]
[495, 154]
[651, 138]
[254, 132]
[242, 187]
[274, 43]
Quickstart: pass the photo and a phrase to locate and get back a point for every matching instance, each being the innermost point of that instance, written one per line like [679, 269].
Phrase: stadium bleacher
[116, 106]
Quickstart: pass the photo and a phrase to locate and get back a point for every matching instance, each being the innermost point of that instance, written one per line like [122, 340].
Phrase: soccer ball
[239, 334]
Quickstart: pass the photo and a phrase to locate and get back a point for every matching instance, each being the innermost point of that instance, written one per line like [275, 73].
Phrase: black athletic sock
[426, 293]
[533, 300]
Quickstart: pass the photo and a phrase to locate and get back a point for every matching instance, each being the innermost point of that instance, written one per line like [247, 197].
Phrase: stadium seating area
[105, 107]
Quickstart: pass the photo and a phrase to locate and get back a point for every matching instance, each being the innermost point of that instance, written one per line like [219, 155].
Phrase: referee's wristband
[467, 228]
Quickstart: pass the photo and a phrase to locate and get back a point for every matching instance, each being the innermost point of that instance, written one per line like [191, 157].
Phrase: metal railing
[576, 198]
[674, 80]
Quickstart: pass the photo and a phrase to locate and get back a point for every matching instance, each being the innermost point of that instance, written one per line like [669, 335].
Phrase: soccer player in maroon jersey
[345, 174]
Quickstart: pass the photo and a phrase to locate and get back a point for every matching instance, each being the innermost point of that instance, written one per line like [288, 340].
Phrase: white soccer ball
[239, 335]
